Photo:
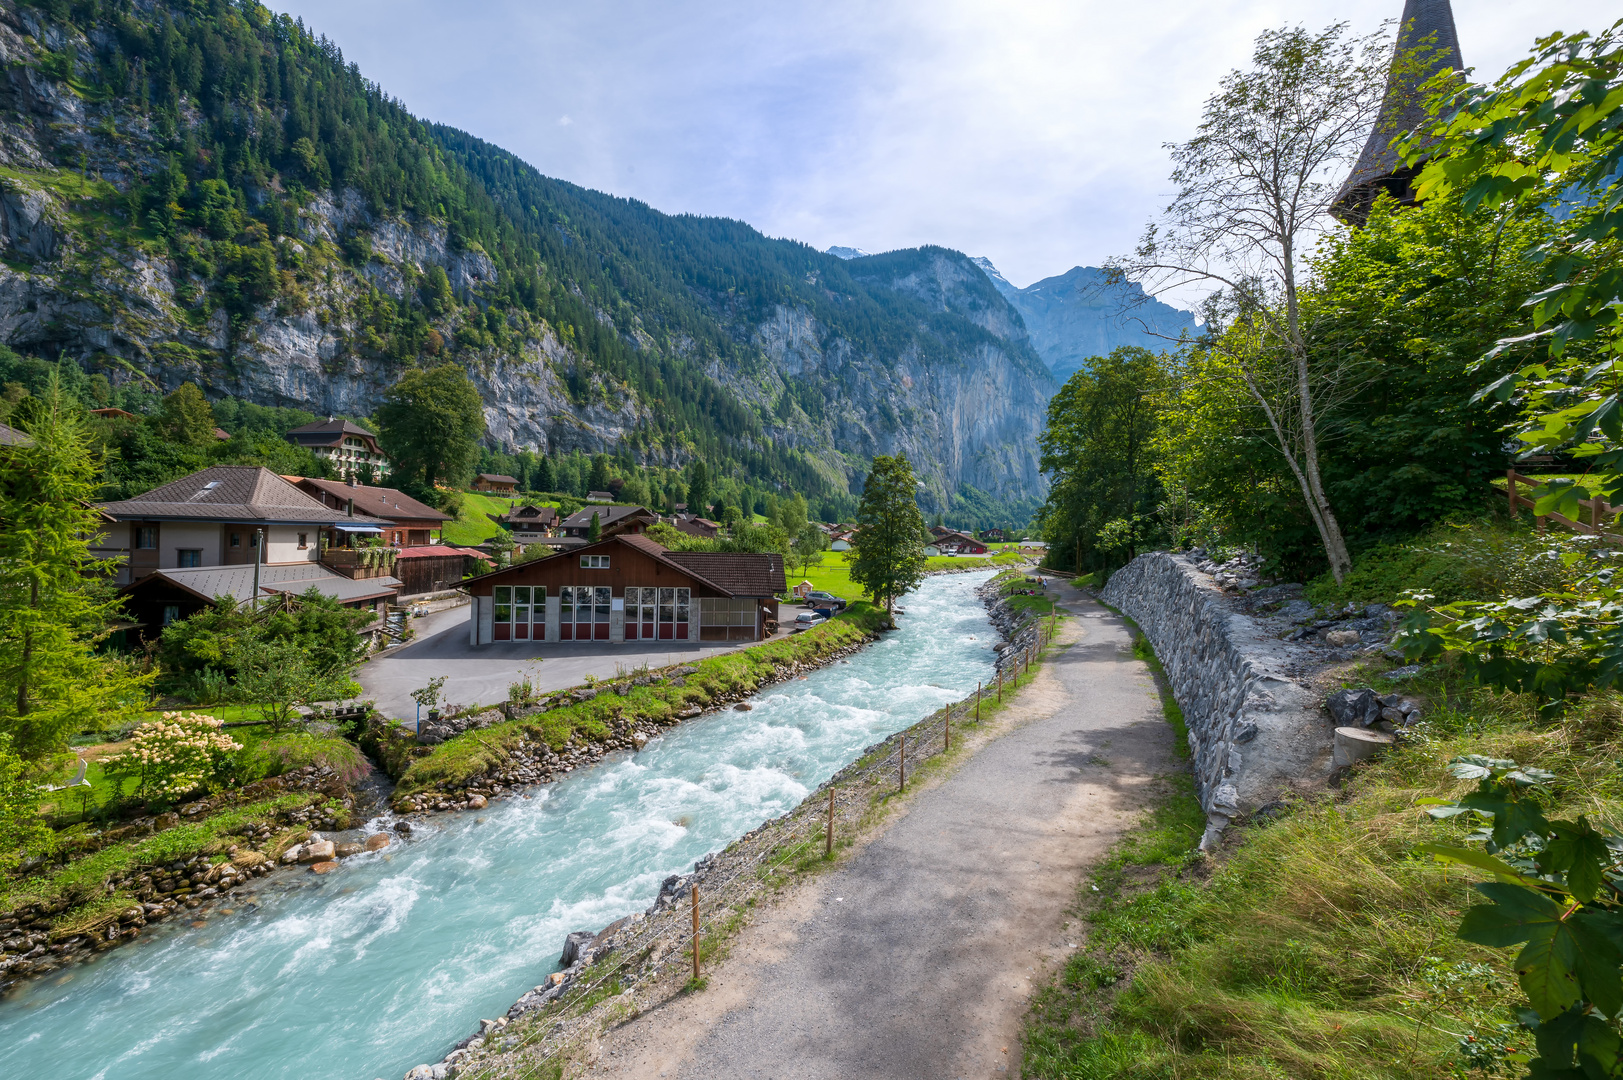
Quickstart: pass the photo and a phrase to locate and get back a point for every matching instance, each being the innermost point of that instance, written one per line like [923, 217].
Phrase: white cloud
[1030, 132]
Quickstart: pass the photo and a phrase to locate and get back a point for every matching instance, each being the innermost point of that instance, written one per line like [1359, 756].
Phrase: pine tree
[594, 531]
[887, 554]
[599, 478]
[54, 604]
[698, 488]
[185, 418]
[542, 479]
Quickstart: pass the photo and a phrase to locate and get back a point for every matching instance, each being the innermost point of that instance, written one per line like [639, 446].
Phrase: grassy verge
[456, 761]
[1315, 944]
[472, 525]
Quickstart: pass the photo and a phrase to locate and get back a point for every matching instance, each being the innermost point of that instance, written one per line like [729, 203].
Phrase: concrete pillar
[617, 619]
[554, 613]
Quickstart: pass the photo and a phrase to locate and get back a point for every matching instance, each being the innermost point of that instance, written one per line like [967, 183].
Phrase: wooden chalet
[628, 588]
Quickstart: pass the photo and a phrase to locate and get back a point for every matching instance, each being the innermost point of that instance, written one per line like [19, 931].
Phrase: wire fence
[761, 861]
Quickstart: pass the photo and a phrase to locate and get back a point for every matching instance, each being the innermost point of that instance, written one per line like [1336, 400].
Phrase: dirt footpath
[915, 956]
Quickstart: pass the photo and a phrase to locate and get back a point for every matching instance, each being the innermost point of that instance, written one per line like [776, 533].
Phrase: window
[146, 536]
[304, 541]
[171, 613]
[236, 540]
[594, 562]
[190, 557]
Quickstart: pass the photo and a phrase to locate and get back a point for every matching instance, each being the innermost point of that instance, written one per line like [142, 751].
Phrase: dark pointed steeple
[1427, 43]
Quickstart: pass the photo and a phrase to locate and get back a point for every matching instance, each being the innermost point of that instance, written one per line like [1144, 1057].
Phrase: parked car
[808, 619]
[819, 599]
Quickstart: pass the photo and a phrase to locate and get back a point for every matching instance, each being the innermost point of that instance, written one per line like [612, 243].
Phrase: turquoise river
[389, 962]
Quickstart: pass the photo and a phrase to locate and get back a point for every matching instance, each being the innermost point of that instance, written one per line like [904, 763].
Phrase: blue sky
[1030, 133]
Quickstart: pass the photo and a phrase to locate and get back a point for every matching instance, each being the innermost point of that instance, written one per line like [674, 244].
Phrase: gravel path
[915, 956]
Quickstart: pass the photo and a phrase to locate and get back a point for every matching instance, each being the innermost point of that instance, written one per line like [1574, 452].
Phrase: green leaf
[1479, 860]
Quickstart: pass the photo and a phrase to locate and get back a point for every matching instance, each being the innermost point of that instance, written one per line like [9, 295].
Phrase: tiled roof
[527, 513]
[606, 515]
[429, 551]
[213, 582]
[738, 573]
[244, 493]
[378, 501]
[10, 436]
[328, 432]
[498, 478]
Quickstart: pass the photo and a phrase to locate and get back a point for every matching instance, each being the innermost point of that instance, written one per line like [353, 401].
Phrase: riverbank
[645, 961]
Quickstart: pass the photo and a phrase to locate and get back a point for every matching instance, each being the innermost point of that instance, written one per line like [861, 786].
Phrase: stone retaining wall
[1254, 730]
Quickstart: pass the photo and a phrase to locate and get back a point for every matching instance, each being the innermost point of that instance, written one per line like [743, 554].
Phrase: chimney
[351, 507]
[353, 482]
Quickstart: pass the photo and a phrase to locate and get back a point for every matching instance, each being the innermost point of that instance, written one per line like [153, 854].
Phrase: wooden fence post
[828, 843]
[695, 931]
[977, 703]
[901, 761]
[946, 731]
[1510, 486]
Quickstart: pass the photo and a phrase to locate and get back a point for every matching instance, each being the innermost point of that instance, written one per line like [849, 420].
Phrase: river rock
[1350, 708]
[377, 841]
[1341, 638]
[317, 851]
[291, 855]
[344, 851]
[477, 802]
[743, 706]
[323, 867]
[573, 944]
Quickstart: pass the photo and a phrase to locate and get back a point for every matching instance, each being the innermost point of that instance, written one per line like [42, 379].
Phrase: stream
[387, 963]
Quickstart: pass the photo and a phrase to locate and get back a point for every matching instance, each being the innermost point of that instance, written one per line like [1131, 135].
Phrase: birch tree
[1254, 189]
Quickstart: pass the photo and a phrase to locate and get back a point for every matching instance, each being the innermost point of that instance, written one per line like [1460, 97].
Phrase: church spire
[1427, 43]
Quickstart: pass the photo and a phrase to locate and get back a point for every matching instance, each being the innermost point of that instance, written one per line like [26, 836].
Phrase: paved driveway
[480, 675]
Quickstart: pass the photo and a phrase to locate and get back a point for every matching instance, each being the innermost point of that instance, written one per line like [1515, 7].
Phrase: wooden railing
[1601, 513]
[360, 563]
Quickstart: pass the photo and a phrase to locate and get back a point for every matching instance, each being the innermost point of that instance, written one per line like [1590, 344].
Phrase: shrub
[174, 755]
[1477, 561]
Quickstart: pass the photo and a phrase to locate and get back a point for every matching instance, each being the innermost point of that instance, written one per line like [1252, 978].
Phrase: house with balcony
[611, 520]
[410, 523]
[528, 524]
[495, 483]
[228, 518]
[346, 447]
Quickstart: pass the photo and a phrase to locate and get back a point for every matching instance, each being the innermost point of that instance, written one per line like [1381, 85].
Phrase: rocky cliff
[170, 227]
[1078, 314]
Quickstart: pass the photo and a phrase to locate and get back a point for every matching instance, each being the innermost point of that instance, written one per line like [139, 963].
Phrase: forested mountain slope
[206, 191]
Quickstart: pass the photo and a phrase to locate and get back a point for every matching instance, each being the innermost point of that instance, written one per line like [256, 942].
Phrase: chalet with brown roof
[410, 523]
[958, 543]
[611, 520]
[347, 447]
[216, 517]
[694, 525]
[628, 588]
[528, 523]
[495, 483]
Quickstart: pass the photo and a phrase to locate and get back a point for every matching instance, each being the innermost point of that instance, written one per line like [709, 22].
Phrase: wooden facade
[621, 589]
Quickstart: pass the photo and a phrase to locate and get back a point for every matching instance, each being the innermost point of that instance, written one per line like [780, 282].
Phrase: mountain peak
[847, 252]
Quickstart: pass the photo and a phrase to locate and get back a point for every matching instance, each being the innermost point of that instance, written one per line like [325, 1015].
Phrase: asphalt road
[480, 675]
[915, 957]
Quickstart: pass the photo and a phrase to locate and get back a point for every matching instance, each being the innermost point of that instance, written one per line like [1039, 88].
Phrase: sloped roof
[529, 512]
[381, 502]
[328, 432]
[429, 551]
[246, 493]
[606, 515]
[736, 573]
[10, 436]
[953, 534]
[497, 478]
[1427, 33]
[212, 582]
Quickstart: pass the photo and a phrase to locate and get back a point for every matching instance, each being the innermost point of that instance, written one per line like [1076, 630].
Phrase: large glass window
[667, 605]
[504, 604]
[603, 599]
[566, 603]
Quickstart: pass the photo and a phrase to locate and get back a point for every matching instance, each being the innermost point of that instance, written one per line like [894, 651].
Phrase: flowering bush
[173, 755]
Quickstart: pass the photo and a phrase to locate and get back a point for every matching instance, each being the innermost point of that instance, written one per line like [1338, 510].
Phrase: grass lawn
[472, 526]
[834, 575]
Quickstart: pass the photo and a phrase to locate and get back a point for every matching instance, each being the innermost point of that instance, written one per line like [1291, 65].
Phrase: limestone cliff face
[77, 279]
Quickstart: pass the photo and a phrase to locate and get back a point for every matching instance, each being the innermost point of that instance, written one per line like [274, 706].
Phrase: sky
[1028, 132]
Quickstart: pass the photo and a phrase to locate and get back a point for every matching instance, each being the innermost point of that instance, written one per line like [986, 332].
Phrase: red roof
[440, 551]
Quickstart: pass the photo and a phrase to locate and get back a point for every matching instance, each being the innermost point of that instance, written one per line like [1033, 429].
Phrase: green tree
[279, 678]
[699, 489]
[186, 418]
[594, 531]
[436, 291]
[887, 555]
[430, 424]
[54, 605]
[1096, 450]
[543, 479]
[598, 479]
[23, 833]
[806, 550]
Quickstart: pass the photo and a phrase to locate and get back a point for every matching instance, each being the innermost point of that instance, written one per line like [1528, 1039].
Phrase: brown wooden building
[628, 588]
[411, 523]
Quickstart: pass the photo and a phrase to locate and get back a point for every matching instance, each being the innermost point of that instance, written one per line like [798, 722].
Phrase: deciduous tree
[430, 424]
[887, 554]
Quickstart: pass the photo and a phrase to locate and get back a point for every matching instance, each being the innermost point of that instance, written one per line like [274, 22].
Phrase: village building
[410, 523]
[528, 524]
[958, 543]
[347, 448]
[495, 483]
[218, 517]
[694, 525]
[600, 496]
[629, 588]
[163, 596]
[611, 520]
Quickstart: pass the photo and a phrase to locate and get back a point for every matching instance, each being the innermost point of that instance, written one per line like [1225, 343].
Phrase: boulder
[377, 841]
[477, 802]
[344, 851]
[1341, 638]
[317, 851]
[326, 867]
[574, 944]
[291, 855]
[743, 706]
[1359, 708]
